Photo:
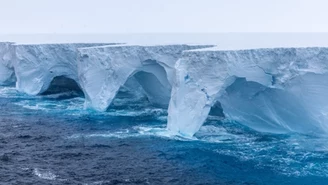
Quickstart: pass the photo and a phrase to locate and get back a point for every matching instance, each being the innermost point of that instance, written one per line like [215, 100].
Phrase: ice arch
[268, 109]
[103, 70]
[153, 79]
[208, 75]
[37, 65]
[62, 84]
[7, 76]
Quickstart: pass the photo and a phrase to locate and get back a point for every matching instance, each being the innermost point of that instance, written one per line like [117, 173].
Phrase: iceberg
[36, 65]
[104, 70]
[273, 90]
[7, 75]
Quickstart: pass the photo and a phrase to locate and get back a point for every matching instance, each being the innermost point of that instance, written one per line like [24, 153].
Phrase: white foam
[44, 174]
[208, 134]
[8, 92]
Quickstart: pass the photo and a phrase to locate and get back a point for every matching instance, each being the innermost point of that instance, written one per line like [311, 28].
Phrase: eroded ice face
[270, 90]
[7, 76]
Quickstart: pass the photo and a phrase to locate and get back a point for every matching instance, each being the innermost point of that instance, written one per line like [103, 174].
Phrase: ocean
[52, 139]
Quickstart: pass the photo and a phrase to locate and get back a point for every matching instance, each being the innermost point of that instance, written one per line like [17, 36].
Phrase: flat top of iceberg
[141, 45]
[55, 44]
[6, 42]
[224, 41]
[218, 48]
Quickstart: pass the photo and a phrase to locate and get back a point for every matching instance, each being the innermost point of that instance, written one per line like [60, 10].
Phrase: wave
[291, 155]
[208, 133]
[44, 174]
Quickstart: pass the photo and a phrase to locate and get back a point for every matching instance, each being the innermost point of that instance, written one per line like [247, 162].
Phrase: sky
[162, 16]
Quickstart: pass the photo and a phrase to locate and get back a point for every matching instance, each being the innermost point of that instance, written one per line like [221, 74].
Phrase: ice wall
[7, 75]
[103, 70]
[271, 90]
[36, 65]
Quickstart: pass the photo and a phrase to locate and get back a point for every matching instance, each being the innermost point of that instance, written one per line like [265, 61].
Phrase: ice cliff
[36, 65]
[273, 90]
[7, 75]
[103, 70]
[270, 90]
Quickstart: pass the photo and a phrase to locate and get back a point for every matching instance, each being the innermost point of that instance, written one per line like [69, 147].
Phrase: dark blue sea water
[51, 139]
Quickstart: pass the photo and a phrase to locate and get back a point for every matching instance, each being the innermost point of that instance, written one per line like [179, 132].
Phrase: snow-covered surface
[225, 41]
[103, 70]
[37, 64]
[271, 90]
[7, 75]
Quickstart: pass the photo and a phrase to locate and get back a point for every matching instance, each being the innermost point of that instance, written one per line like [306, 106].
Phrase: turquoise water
[52, 140]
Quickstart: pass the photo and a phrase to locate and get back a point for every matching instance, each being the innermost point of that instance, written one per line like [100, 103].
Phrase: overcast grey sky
[142, 16]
